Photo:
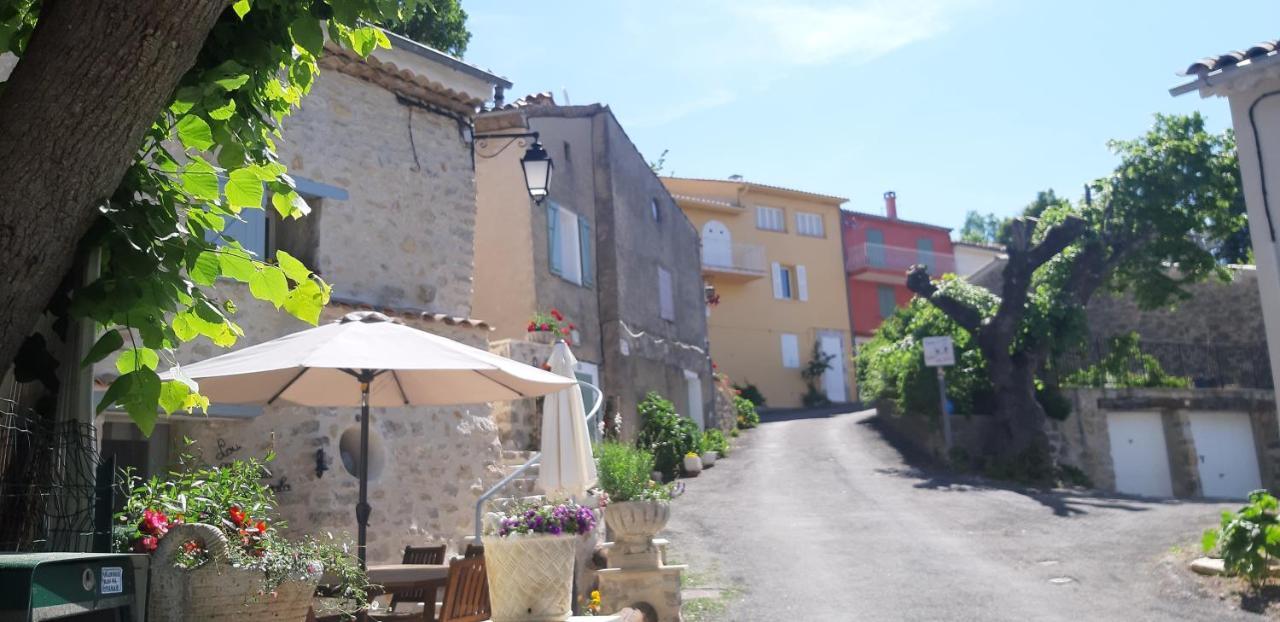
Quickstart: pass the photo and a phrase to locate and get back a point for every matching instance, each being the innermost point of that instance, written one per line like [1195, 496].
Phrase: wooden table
[430, 578]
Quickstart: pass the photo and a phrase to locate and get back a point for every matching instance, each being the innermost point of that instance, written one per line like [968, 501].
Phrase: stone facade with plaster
[395, 232]
[626, 230]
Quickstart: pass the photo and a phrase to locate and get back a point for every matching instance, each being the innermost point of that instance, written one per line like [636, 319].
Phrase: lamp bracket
[481, 141]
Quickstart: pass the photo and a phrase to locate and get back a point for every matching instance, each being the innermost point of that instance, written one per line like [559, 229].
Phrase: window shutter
[666, 300]
[585, 246]
[777, 280]
[802, 282]
[553, 239]
[790, 351]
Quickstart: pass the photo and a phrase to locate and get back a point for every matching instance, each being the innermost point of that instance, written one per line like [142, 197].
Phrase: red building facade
[878, 250]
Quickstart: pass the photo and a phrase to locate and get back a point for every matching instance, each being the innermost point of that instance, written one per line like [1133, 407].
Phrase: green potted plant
[550, 326]
[714, 446]
[636, 507]
[529, 551]
[665, 434]
[216, 546]
[692, 464]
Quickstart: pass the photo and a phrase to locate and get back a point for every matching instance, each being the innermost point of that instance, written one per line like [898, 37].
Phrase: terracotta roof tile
[1214, 63]
[417, 314]
[398, 80]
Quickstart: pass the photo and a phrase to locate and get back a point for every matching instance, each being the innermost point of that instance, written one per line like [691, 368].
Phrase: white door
[717, 244]
[694, 385]
[1139, 454]
[833, 378]
[1225, 453]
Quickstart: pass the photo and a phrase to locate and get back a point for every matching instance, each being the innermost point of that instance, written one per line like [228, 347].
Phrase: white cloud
[681, 109]
[809, 34]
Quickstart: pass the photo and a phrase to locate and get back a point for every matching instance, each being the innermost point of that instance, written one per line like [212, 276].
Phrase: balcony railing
[864, 257]
[742, 259]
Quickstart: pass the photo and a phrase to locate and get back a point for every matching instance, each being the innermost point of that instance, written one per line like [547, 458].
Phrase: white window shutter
[777, 280]
[803, 282]
[790, 351]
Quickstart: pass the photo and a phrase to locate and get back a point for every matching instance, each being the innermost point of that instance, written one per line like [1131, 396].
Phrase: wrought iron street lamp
[536, 163]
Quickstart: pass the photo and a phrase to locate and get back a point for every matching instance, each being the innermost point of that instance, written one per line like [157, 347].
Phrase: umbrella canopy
[568, 468]
[366, 359]
[315, 367]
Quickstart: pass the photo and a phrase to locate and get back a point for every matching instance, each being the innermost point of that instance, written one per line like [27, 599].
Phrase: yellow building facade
[775, 261]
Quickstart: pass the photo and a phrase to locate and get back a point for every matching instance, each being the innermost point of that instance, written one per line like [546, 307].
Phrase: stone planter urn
[530, 577]
[216, 591]
[632, 524]
[542, 336]
[709, 458]
[692, 465]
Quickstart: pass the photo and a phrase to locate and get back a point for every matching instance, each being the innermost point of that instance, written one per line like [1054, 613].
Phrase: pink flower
[146, 544]
[154, 523]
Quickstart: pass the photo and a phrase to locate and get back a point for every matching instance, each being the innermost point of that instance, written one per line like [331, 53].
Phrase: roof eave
[401, 42]
[1210, 83]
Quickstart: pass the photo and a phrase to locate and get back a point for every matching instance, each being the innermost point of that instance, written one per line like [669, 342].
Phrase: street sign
[939, 352]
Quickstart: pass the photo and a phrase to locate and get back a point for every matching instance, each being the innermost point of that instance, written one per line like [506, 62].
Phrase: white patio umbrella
[365, 359]
[568, 468]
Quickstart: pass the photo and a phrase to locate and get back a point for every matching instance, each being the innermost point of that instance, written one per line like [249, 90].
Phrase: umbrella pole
[362, 508]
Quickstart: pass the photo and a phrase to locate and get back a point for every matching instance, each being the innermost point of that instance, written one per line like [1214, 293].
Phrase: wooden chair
[474, 551]
[466, 597]
[422, 594]
[423, 555]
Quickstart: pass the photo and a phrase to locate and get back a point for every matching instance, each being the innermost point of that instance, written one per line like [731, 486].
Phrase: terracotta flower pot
[216, 590]
[530, 577]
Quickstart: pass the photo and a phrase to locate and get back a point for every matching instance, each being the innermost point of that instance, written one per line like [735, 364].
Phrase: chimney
[891, 205]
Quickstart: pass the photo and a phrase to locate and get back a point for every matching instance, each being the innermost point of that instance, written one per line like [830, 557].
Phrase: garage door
[1228, 459]
[1139, 454]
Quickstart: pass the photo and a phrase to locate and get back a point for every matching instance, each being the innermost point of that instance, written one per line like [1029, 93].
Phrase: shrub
[714, 440]
[666, 434]
[1248, 539]
[1116, 369]
[624, 471]
[748, 416]
[890, 365]
[819, 363]
[751, 392]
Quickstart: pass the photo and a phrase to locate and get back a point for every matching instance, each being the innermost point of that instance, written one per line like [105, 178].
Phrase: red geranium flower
[146, 544]
[261, 526]
[238, 516]
[572, 327]
[154, 523]
[555, 313]
[564, 331]
[546, 326]
[532, 327]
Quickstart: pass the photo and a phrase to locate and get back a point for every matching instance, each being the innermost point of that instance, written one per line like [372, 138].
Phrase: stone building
[381, 149]
[608, 248]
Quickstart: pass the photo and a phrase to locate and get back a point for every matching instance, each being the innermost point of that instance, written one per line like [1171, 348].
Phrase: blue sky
[956, 105]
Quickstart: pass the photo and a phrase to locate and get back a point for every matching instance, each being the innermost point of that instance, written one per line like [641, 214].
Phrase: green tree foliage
[891, 366]
[441, 24]
[1125, 365]
[979, 229]
[1174, 195]
[208, 157]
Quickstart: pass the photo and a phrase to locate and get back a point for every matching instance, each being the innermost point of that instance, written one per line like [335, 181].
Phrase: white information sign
[112, 580]
[939, 352]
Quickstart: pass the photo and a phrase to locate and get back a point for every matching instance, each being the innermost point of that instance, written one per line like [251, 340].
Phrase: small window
[565, 247]
[656, 210]
[887, 299]
[666, 299]
[790, 351]
[785, 280]
[809, 224]
[770, 218]
[875, 247]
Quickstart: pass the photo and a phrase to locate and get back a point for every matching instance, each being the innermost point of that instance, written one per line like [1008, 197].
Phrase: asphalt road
[822, 519]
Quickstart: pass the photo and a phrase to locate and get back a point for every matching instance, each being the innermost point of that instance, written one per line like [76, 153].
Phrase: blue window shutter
[553, 238]
[585, 249]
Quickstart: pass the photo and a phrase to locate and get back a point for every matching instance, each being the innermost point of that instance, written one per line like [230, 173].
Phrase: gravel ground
[819, 518]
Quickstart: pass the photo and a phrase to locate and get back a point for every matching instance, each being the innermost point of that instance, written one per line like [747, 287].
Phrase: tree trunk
[94, 77]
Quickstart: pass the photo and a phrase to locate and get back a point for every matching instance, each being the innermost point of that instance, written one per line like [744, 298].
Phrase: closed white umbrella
[568, 468]
[366, 359]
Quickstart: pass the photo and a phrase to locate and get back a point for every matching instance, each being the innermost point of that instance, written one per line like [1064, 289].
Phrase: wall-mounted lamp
[536, 162]
[322, 463]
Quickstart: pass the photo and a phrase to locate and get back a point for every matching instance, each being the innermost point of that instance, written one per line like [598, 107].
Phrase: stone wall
[405, 236]
[519, 422]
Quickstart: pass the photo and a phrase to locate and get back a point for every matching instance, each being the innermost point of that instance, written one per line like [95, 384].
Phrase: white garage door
[1228, 459]
[1139, 454]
